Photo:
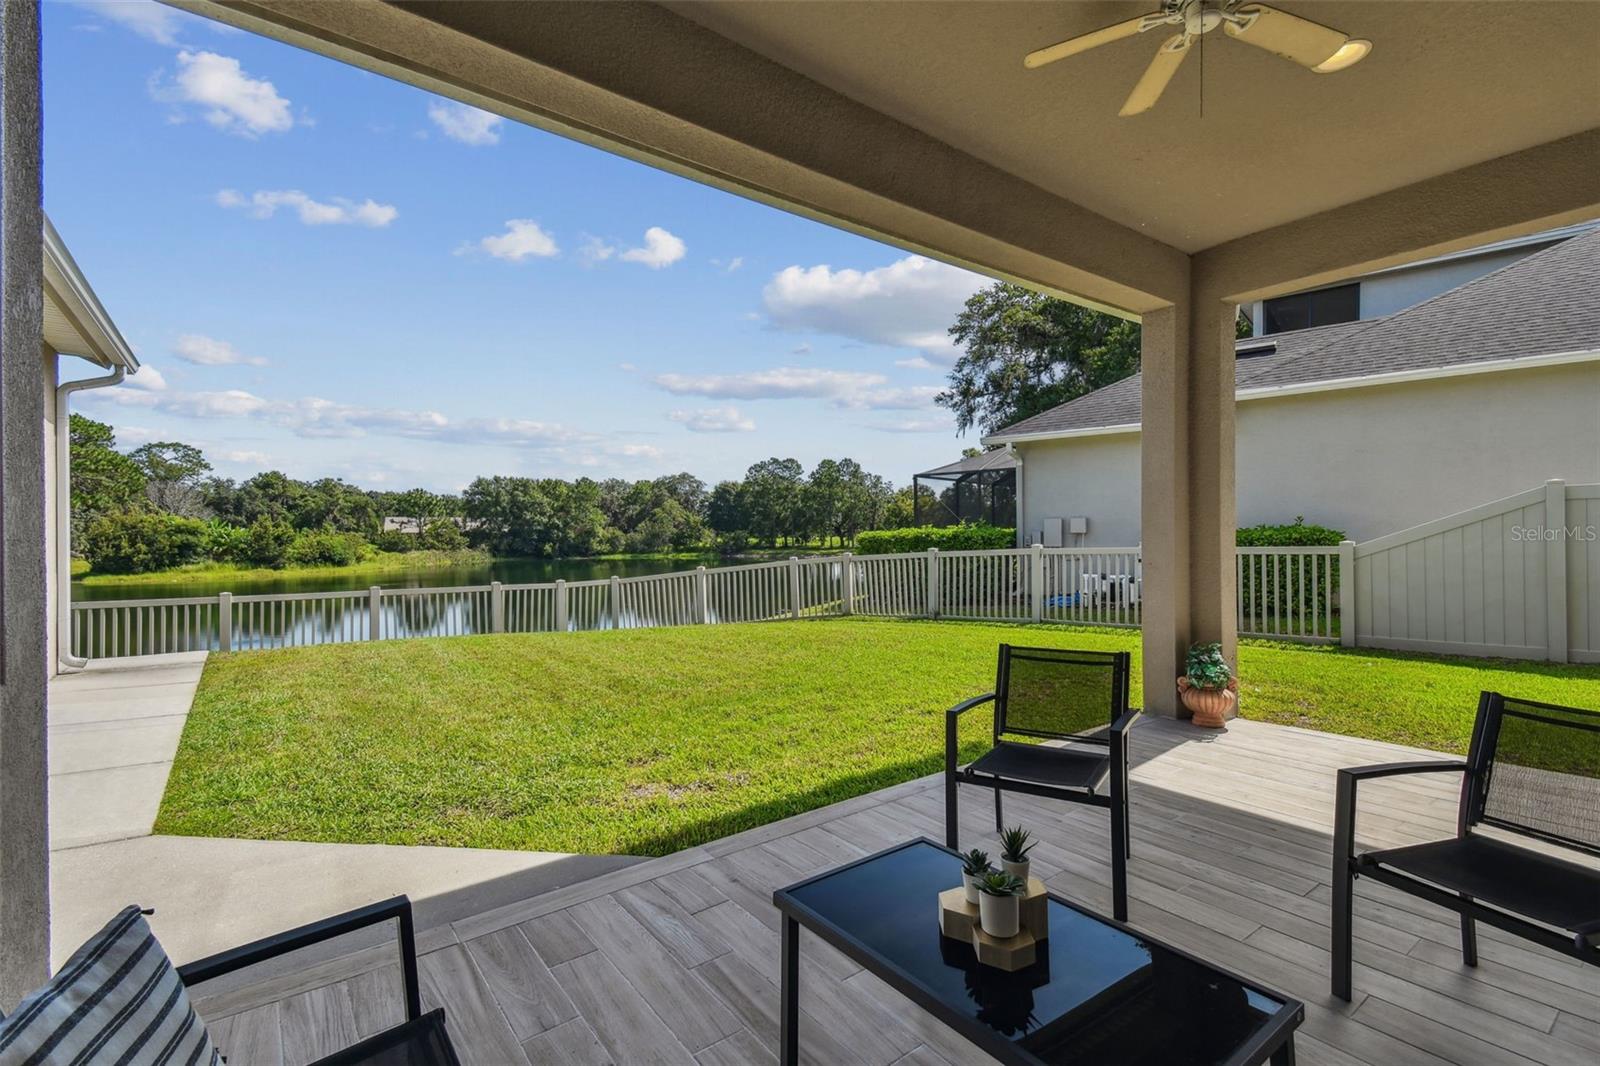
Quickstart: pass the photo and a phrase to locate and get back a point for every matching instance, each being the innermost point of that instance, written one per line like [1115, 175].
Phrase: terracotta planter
[1210, 707]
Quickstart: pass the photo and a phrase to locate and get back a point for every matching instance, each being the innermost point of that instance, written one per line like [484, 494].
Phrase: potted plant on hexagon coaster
[1015, 843]
[974, 865]
[1208, 688]
[1000, 904]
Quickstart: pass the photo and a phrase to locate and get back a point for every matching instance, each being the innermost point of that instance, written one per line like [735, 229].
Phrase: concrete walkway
[114, 731]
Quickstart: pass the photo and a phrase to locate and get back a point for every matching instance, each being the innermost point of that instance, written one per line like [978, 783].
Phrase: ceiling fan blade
[1302, 41]
[1083, 42]
[1156, 76]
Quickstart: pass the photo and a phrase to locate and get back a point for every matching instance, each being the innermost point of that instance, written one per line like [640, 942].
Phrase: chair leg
[1469, 937]
[1119, 858]
[950, 813]
[1343, 890]
[999, 814]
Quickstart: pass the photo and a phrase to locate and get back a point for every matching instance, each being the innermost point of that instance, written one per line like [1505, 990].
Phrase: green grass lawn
[646, 741]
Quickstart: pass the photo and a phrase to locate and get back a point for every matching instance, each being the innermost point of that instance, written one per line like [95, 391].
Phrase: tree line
[161, 506]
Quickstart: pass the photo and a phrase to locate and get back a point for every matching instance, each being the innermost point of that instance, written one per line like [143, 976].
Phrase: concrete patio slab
[75, 748]
[210, 894]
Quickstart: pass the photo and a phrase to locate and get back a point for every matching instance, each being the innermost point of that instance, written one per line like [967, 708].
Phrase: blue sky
[334, 274]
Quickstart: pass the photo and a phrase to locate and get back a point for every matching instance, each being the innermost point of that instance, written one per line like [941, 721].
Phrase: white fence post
[375, 613]
[225, 621]
[702, 601]
[1036, 582]
[1347, 593]
[616, 602]
[497, 608]
[1555, 570]
[794, 586]
[561, 605]
[933, 582]
[847, 584]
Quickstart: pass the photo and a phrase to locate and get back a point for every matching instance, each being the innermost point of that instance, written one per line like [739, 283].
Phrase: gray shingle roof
[1545, 304]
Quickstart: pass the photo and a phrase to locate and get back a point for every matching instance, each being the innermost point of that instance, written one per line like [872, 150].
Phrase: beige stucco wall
[1369, 461]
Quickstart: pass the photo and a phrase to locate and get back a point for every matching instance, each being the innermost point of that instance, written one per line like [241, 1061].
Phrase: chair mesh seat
[1062, 767]
[1517, 879]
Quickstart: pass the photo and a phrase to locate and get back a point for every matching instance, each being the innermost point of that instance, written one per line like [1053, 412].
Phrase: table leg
[1284, 1056]
[789, 992]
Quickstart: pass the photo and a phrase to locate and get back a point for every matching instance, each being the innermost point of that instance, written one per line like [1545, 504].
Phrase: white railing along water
[1286, 593]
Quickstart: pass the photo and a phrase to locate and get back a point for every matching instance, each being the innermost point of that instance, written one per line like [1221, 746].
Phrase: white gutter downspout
[64, 393]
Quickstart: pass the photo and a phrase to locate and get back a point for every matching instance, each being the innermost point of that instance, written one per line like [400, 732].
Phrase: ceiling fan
[1311, 44]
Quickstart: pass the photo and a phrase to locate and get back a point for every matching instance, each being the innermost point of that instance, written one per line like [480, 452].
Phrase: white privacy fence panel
[1514, 578]
[1582, 537]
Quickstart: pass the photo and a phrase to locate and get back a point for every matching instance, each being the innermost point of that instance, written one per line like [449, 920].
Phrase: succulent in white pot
[1000, 904]
[974, 864]
[1015, 843]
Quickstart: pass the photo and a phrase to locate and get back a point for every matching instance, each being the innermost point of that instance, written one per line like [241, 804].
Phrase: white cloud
[917, 425]
[247, 457]
[317, 418]
[660, 249]
[152, 21]
[147, 378]
[800, 349]
[916, 362]
[910, 303]
[208, 351]
[339, 211]
[227, 97]
[842, 388]
[465, 123]
[594, 250]
[522, 238]
[714, 420]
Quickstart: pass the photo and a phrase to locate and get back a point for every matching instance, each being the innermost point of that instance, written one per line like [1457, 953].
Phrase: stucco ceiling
[1242, 141]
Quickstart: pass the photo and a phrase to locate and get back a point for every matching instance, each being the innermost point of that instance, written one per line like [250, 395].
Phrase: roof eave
[73, 294]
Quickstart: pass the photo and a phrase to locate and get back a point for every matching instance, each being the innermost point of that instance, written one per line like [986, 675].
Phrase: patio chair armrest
[1120, 726]
[1344, 800]
[952, 719]
[271, 947]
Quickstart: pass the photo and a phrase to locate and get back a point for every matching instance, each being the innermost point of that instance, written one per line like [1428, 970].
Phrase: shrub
[267, 542]
[733, 542]
[1295, 534]
[327, 547]
[392, 540]
[946, 538]
[139, 542]
[222, 542]
[442, 535]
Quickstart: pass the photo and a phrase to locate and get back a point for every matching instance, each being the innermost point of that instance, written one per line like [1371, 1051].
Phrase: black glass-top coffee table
[1100, 993]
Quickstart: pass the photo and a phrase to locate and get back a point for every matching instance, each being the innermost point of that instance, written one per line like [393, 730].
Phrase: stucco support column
[1186, 490]
[24, 833]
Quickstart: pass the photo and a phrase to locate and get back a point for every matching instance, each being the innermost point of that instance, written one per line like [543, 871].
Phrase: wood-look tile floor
[676, 960]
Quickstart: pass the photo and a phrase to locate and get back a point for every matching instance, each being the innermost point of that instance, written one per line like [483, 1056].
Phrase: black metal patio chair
[1078, 699]
[420, 1040]
[1532, 771]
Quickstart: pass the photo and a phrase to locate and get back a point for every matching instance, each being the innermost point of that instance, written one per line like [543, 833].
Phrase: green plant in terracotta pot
[1208, 688]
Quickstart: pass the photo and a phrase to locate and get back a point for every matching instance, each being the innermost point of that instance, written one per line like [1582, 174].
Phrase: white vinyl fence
[1519, 577]
[1285, 593]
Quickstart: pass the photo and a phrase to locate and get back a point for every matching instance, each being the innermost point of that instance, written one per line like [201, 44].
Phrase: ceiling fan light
[1349, 54]
[1308, 43]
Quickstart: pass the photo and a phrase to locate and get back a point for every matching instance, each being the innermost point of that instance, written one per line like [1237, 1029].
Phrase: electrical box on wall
[1053, 536]
[1078, 525]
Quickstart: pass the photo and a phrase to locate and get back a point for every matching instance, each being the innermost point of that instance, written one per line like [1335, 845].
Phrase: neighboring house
[1482, 391]
[402, 524]
[76, 325]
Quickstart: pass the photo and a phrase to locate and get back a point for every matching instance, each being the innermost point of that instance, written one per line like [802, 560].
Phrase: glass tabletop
[1097, 993]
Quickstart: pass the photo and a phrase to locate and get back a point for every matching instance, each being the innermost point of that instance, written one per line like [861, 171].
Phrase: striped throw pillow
[117, 1000]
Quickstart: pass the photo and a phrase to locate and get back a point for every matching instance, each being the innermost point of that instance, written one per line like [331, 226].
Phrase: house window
[1303, 310]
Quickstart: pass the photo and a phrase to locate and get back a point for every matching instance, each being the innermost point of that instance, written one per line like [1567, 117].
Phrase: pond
[507, 571]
